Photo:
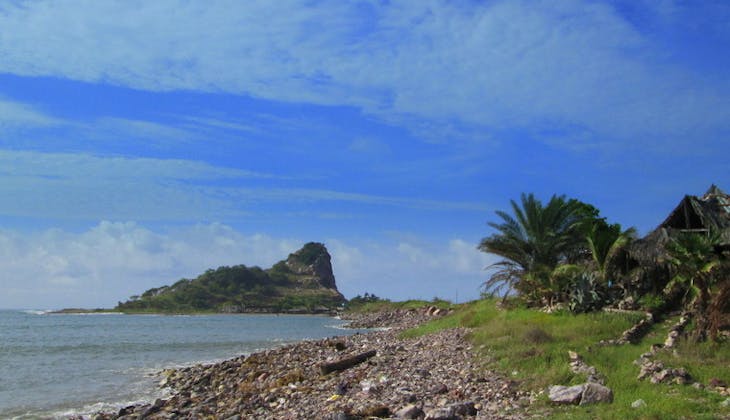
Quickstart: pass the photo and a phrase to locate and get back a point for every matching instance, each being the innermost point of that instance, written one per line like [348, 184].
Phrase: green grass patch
[532, 347]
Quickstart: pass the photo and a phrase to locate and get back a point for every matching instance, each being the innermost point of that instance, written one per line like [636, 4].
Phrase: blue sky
[142, 142]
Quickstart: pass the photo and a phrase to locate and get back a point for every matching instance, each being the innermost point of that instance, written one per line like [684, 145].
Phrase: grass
[532, 347]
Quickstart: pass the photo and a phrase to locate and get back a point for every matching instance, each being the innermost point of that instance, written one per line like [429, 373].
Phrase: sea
[56, 366]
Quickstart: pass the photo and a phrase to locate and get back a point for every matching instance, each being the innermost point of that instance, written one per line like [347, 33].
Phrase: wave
[36, 311]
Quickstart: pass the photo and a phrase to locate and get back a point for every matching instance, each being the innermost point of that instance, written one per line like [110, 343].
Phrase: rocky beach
[376, 374]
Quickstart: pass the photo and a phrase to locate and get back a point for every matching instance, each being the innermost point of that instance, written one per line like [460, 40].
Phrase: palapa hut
[711, 212]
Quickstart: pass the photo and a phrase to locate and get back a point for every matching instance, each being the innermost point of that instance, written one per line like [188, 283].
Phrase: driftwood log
[346, 363]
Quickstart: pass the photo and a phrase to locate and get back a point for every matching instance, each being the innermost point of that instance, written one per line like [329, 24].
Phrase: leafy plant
[533, 242]
[586, 293]
[695, 260]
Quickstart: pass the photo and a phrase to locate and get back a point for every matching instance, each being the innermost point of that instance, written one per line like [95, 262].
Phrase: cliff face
[314, 264]
[303, 283]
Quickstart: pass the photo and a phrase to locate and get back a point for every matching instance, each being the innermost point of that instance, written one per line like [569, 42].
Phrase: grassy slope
[531, 347]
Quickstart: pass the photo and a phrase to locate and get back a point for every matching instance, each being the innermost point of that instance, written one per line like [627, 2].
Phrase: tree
[533, 242]
[605, 241]
[695, 260]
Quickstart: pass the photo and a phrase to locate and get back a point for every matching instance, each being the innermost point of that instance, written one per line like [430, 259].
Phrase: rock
[443, 413]
[375, 411]
[341, 388]
[439, 389]
[596, 393]
[341, 415]
[715, 382]
[725, 403]
[638, 403]
[409, 412]
[566, 394]
[464, 408]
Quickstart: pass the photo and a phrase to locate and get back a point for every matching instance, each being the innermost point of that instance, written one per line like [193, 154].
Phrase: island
[303, 283]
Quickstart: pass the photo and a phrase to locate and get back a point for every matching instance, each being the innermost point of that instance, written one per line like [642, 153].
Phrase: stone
[715, 382]
[596, 393]
[439, 389]
[409, 412]
[443, 413]
[725, 403]
[566, 394]
[638, 403]
[464, 408]
[375, 411]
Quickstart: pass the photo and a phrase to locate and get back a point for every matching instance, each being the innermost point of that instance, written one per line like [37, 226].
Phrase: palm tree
[533, 242]
[605, 241]
[694, 259]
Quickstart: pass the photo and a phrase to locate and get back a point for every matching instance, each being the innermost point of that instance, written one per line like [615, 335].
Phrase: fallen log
[346, 363]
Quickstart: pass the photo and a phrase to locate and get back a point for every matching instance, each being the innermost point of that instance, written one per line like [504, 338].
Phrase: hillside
[302, 283]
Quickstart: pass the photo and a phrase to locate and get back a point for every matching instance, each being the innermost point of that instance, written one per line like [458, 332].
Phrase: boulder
[596, 393]
[566, 394]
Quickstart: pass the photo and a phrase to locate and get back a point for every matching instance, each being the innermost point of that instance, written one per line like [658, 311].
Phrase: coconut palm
[533, 242]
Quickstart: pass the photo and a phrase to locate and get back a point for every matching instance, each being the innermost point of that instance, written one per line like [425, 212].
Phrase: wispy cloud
[16, 115]
[89, 188]
[507, 63]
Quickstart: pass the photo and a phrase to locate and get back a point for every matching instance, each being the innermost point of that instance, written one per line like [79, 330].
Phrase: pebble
[432, 377]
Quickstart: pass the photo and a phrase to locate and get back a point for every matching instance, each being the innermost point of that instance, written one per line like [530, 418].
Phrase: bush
[586, 294]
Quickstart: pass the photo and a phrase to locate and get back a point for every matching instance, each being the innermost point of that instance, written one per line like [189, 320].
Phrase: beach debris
[346, 363]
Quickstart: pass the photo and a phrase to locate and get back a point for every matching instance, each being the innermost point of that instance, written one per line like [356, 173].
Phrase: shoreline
[433, 376]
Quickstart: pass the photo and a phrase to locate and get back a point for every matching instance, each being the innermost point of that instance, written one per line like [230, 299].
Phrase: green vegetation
[531, 346]
[564, 255]
[371, 303]
[248, 289]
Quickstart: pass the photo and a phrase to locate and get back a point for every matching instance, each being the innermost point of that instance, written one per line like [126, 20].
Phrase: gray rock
[566, 394]
[409, 412]
[638, 403]
[443, 413]
[440, 389]
[596, 393]
[464, 408]
[725, 403]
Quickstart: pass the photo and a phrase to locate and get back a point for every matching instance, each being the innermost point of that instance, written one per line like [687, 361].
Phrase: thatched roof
[711, 212]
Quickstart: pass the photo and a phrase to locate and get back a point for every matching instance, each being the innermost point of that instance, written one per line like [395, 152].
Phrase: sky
[144, 142]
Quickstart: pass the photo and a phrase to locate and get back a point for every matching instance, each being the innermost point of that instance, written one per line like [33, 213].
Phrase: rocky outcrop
[314, 264]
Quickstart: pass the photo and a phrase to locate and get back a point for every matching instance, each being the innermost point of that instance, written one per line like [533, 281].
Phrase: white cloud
[114, 260]
[410, 269]
[16, 115]
[497, 64]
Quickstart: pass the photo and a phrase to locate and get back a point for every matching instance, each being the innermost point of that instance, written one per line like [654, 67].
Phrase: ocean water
[55, 366]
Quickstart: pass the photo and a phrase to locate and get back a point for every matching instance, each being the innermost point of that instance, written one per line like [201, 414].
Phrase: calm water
[61, 365]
